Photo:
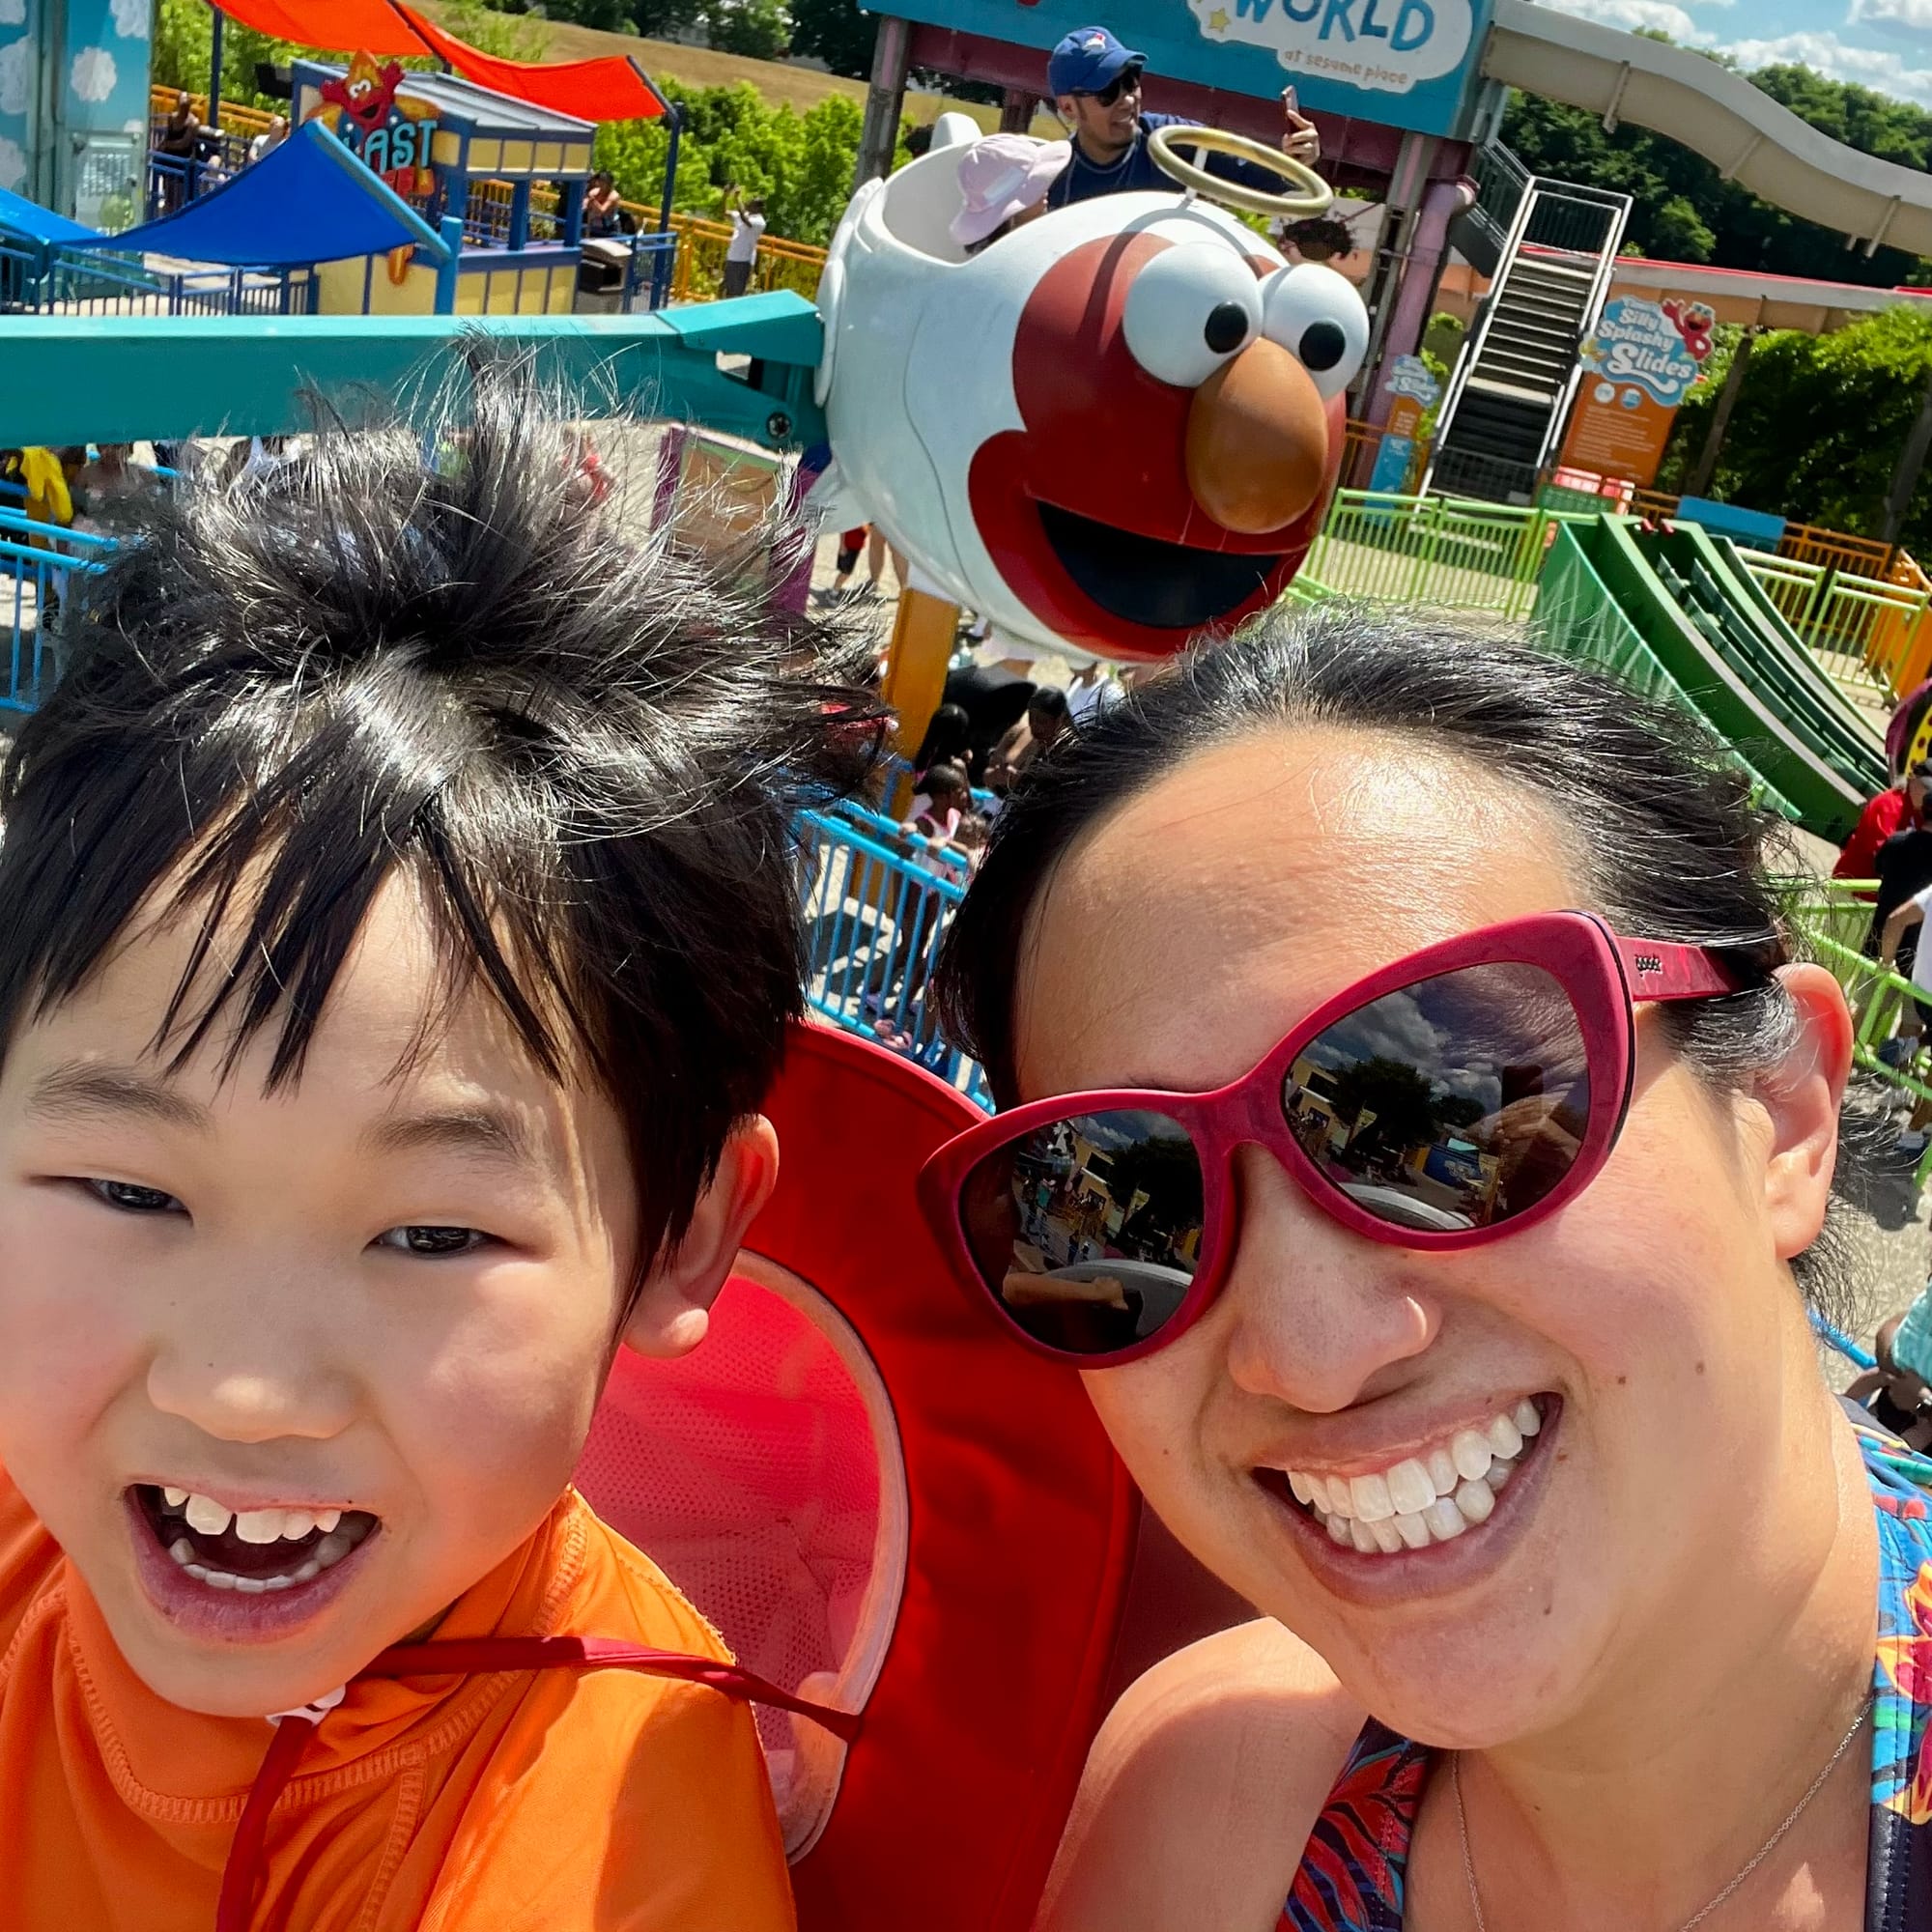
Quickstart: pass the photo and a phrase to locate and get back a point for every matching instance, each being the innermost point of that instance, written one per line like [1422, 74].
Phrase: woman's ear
[674, 1308]
[1801, 1096]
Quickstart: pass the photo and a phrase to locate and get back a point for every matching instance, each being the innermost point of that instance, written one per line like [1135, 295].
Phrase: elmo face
[1182, 416]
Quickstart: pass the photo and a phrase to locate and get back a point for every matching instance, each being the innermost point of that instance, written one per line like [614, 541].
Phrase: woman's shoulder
[1201, 1788]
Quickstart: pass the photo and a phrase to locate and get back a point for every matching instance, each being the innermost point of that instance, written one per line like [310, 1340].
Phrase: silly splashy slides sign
[1387, 47]
[1637, 365]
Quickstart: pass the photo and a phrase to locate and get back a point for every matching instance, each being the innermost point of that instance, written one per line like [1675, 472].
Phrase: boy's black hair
[587, 749]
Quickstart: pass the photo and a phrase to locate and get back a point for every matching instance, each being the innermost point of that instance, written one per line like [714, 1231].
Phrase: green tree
[758, 29]
[836, 32]
[1819, 423]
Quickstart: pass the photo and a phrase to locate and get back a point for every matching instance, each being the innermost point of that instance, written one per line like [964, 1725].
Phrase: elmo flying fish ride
[1113, 428]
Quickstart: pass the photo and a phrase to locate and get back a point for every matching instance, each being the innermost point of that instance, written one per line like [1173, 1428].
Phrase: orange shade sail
[607, 89]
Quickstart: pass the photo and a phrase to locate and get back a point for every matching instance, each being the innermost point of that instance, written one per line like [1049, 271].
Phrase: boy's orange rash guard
[603, 1802]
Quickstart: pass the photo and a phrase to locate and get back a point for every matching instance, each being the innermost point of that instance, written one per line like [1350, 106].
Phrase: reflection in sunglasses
[1450, 1104]
[1089, 1229]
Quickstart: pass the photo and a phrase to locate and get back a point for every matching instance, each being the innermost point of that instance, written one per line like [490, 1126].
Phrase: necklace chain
[1757, 1857]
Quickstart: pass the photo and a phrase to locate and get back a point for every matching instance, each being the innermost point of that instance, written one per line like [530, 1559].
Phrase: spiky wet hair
[415, 654]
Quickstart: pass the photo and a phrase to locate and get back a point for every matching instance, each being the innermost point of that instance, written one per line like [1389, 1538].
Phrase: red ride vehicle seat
[883, 1505]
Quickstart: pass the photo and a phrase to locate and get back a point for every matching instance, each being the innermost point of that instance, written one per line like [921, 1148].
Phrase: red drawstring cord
[241, 1874]
[478, 1656]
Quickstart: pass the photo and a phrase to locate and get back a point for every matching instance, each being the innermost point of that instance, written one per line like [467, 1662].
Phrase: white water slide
[1715, 113]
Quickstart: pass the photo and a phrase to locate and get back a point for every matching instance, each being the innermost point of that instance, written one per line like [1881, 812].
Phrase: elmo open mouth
[1144, 581]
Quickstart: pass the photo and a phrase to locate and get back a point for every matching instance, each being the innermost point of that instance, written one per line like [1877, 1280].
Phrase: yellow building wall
[340, 288]
[551, 290]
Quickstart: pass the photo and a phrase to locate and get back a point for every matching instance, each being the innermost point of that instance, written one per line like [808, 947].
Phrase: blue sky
[1885, 45]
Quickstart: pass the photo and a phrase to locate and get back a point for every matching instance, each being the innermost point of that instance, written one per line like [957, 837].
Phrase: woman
[602, 210]
[1509, 1422]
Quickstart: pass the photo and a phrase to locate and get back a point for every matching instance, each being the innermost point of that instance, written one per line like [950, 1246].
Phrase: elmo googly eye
[1316, 316]
[1189, 310]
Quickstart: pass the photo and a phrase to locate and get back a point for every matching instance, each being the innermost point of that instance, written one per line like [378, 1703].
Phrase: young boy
[398, 942]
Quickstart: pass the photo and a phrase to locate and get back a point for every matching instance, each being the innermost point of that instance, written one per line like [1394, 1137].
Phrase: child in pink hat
[1005, 178]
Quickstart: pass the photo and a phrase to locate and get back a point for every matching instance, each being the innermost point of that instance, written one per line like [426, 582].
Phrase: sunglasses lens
[1454, 1104]
[1088, 1230]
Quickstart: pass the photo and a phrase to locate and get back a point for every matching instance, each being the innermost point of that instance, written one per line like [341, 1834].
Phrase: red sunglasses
[1448, 1099]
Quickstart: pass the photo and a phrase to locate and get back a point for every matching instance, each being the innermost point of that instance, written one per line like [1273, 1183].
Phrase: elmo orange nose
[1257, 440]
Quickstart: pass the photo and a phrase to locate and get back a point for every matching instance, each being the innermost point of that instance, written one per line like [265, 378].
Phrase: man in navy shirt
[1096, 85]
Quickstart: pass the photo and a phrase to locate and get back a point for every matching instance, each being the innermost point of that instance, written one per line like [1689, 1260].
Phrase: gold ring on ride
[1314, 199]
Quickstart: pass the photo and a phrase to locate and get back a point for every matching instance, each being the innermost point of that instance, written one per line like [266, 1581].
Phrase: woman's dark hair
[585, 748]
[1671, 846]
[949, 736]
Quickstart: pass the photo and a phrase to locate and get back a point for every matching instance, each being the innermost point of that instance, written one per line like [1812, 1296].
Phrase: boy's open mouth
[254, 1553]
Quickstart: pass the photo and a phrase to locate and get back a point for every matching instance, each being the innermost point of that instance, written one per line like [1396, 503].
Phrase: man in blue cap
[1096, 86]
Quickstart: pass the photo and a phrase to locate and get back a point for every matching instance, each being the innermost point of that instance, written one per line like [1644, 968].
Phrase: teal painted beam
[124, 378]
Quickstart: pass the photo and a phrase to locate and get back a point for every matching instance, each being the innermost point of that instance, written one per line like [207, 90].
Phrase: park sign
[1637, 365]
[1404, 63]
[1412, 386]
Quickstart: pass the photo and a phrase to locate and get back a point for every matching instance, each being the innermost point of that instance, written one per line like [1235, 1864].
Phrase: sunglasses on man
[1454, 1098]
[1127, 81]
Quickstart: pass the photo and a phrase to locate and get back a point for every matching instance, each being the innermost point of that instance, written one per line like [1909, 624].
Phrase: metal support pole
[1904, 478]
[664, 262]
[215, 65]
[885, 103]
[1408, 186]
[1721, 418]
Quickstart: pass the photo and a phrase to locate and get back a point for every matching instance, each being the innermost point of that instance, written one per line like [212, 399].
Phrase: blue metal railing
[34, 582]
[874, 920]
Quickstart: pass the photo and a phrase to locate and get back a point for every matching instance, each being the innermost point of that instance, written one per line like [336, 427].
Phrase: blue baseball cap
[1086, 60]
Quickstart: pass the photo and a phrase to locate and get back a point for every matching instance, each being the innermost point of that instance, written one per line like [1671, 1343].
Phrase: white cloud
[1877, 67]
[13, 164]
[17, 74]
[131, 17]
[1659, 16]
[93, 74]
[1910, 16]
[13, 12]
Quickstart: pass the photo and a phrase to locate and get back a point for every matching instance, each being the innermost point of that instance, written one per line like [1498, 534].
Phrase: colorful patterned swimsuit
[1351, 1875]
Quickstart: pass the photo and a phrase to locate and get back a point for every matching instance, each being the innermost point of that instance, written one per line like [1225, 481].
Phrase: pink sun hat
[1001, 176]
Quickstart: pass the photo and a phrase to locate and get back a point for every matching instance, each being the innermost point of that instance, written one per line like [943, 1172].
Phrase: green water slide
[1868, 726]
[1601, 599]
[1778, 667]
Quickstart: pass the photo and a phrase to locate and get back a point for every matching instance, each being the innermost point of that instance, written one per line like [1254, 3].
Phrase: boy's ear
[674, 1308]
[1801, 1094]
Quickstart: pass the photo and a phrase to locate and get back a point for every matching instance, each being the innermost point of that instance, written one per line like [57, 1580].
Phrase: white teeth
[1370, 1496]
[182, 1550]
[208, 1516]
[1409, 1487]
[326, 1519]
[259, 1525]
[297, 1523]
[174, 1498]
[278, 1583]
[1422, 1499]
[308, 1571]
[218, 1579]
[1470, 1453]
[250, 1586]
[333, 1548]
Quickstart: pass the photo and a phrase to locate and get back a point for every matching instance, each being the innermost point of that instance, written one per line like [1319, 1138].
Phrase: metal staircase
[1549, 248]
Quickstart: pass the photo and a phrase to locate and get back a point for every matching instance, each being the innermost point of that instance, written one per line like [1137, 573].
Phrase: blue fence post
[450, 228]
